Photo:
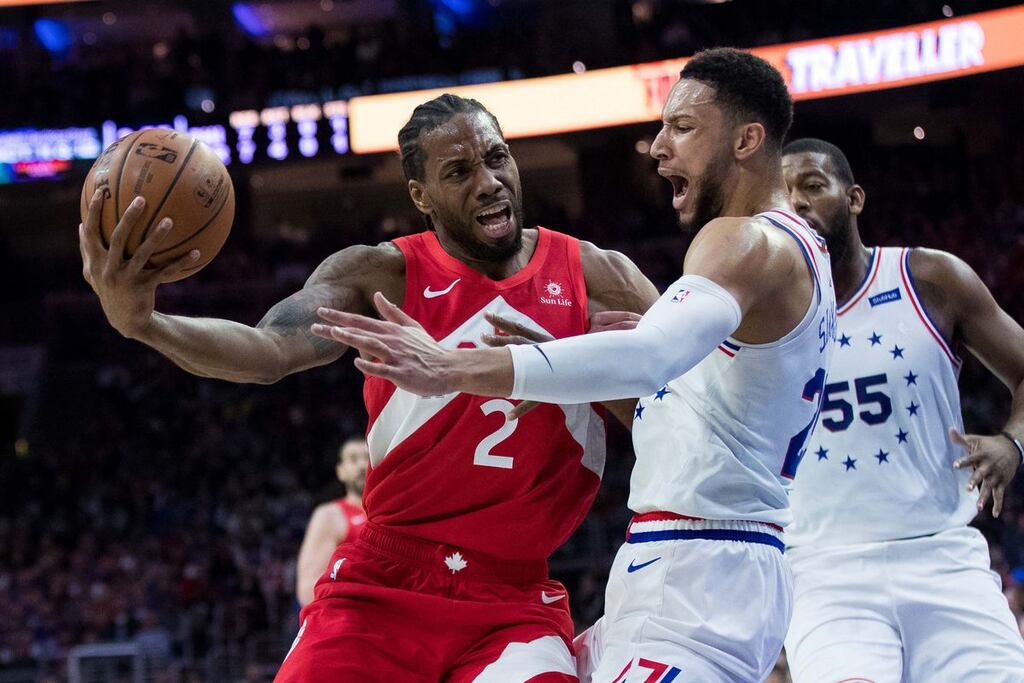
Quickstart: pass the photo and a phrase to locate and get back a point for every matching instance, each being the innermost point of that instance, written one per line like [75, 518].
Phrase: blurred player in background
[731, 363]
[448, 579]
[335, 521]
[891, 583]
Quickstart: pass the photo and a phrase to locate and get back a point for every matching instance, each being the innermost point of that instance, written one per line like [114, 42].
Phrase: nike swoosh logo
[637, 567]
[548, 599]
[428, 293]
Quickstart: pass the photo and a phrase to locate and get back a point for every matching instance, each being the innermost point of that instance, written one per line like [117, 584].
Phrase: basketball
[181, 179]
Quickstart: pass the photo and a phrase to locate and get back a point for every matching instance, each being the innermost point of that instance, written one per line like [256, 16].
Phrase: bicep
[290, 319]
[995, 338]
[615, 283]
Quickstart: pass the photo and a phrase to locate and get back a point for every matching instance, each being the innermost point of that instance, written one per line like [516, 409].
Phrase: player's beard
[836, 232]
[710, 198]
[488, 252]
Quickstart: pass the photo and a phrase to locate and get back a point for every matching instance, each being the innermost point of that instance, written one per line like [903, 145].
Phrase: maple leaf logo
[455, 562]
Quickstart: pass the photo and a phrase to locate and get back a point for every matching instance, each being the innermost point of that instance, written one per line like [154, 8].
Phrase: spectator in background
[335, 521]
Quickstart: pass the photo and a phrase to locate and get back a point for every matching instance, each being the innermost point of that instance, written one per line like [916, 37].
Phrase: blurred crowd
[139, 78]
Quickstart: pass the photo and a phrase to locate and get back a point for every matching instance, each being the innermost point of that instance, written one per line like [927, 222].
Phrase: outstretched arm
[729, 269]
[280, 344]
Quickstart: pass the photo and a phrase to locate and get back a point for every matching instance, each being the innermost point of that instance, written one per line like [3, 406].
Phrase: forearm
[684, 326]
[211, 347]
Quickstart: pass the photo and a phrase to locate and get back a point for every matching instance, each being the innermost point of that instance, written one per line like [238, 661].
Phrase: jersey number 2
[813, 391]
[483, 456]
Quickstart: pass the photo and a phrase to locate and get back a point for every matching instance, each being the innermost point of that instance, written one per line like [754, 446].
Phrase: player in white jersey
[891, 583]
[731, 362]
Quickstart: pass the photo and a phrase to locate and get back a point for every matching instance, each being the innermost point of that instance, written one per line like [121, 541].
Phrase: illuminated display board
[635, 94]
[275, 133]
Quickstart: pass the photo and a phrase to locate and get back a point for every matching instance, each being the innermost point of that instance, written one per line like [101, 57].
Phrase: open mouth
[496, 220]
[680, 185]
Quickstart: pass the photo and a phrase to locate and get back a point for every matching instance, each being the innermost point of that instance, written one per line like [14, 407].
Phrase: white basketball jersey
[722, 441]
[879, 467]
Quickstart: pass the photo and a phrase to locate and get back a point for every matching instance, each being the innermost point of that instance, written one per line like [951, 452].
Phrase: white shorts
[923, 610]
[691, 601]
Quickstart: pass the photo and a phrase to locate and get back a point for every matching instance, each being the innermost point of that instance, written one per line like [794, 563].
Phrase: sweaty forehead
[463, 136]
[690, 98]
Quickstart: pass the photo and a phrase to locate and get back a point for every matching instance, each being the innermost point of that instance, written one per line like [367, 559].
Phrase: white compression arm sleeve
[688, 322]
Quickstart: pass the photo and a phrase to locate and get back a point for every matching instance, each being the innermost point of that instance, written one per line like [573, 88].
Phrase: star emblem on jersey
[896, 352]
[639, 411]
[850, 463]
[455, 562]
[662, 393]
[428, 293]
[822, 453]
[844, 341]
[913, 408]
[911, 378]
[902, 436]
[875, 339]
[882, 456]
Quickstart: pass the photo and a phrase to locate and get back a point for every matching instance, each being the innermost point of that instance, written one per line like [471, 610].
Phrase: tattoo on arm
[294, 315]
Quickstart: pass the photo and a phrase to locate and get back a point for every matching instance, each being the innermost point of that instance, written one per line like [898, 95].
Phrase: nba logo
[680, 296]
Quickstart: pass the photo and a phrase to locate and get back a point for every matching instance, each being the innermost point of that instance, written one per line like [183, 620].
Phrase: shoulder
[744, 243]
[359, 261]
[942, 278]
[613, 281]
[327, 515]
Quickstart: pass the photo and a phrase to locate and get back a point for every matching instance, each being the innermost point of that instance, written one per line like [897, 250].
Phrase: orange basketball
[181, 179]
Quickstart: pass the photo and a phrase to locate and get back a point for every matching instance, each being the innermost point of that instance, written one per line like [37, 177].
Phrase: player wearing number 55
[730, 363]
[891, 583]
[447, 580]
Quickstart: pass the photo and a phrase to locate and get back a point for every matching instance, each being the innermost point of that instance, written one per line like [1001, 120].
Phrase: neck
[757, 191]
[495, 270]
[354, 499]
[849, 273]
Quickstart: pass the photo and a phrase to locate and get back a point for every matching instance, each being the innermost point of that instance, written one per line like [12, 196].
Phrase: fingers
[972, 460]
[124, 229]
[504, 340]
[393, 313]
[515, 329]
[355, 321]
[381, 370]
[961, 440]
[175, 267]
[986, 493]
[141, 256]
[613, 317]
[997, 500]
[522, 409]
[365, 343]
[89, 232]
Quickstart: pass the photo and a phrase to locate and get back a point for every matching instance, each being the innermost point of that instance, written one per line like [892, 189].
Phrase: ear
[750, 138]
[418, 193]
[856, 197]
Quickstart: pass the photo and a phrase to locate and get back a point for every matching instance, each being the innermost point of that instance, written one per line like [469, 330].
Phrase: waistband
[468, 565]
[669, 526]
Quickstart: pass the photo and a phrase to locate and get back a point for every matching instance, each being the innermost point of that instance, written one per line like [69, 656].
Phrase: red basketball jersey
[449, 468]
[355, 516]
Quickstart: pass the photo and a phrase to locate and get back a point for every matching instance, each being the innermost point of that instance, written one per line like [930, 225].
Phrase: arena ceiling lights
[813, 69]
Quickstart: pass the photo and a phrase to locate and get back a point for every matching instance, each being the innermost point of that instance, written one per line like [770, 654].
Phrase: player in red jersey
[448, 578]
[335, 521]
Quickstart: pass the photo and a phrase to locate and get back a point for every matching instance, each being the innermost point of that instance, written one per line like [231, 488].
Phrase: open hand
[995, 460]
[126, 288]
[396, 348]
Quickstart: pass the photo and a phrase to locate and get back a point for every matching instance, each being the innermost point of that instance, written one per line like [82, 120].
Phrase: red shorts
[393, 608]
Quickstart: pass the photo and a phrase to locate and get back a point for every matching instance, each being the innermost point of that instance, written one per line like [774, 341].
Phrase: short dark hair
[747, 86]
[840, 165]
[426, 117]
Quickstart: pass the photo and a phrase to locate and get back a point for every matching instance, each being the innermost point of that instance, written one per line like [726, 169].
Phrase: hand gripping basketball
[125, 287]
